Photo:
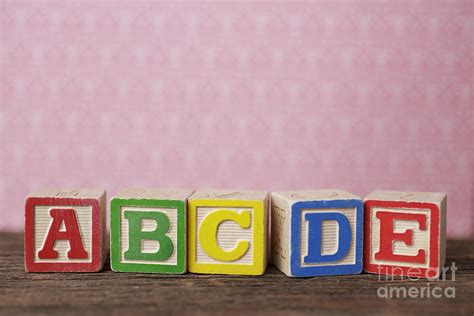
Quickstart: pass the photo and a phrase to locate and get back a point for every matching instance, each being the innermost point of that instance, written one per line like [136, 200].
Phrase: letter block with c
[405, 233]
[317, 232]
[148, 231]
[227, 232]
[65, 231]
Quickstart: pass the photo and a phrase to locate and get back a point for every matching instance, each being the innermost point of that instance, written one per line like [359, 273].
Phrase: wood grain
[273, 294]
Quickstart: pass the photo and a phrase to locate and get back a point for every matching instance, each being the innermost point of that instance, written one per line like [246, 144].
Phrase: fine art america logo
[433, 289]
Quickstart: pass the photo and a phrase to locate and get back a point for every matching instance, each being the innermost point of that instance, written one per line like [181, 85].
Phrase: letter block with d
[65, 231]
[148, 231]
[317, 232]
[228, 232]
[405, 233]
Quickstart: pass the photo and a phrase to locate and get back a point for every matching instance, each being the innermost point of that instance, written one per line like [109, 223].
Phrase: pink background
[352, 95]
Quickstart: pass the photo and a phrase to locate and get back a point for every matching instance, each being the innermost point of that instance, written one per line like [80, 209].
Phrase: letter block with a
[65, 231]
[148, 231]
[405, 233]
[317, 232]
[228, 232]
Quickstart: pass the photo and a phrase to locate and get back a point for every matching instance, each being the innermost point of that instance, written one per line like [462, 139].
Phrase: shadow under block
[148, 231]
[65, 231]
[317, 232]
[405, 233]
[228, 232]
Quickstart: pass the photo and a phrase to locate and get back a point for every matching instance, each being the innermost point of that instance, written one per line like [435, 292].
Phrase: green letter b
[136, 235]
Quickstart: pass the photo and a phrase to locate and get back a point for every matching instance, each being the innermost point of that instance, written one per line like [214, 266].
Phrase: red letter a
[71, 233]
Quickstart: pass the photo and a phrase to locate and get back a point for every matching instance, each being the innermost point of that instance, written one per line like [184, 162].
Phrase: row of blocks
[313, 232]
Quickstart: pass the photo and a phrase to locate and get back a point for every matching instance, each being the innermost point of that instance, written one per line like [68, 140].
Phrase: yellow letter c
[208, 234]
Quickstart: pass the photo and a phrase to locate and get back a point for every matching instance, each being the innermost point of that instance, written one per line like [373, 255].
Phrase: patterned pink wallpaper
[358, 95]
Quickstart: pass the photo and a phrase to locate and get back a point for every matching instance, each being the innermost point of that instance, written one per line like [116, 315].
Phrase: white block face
[43, 221]
[330, 237]
[280, 234]
[229, 234]
[149, 246]
[421, 239]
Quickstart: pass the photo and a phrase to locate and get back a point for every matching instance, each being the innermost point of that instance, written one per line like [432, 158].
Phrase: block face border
[115, 258]
[295, 236]
[29, 237]
[259, 248]
[434, 233]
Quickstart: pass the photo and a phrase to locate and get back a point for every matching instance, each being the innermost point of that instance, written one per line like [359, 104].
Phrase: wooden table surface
[273, 293]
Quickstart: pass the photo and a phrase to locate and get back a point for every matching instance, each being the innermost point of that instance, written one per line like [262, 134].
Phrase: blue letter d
[315, 235]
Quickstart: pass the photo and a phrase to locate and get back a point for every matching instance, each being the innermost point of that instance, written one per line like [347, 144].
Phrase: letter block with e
[65, 231]
[148, 231]
[228, 232]
[405, 233]
[317, 232]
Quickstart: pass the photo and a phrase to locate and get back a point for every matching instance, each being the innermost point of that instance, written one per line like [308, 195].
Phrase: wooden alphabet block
[405, 233]
[65, 231]
[227, 232]
[148, 231]
[317, 232]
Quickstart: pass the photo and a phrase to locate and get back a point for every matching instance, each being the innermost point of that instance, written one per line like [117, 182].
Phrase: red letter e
[388, 236]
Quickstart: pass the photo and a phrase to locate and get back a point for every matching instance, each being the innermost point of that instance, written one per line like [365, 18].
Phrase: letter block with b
[228, 232]
[317, 232]
[148, 231]
[405, 233]
[65, 231]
